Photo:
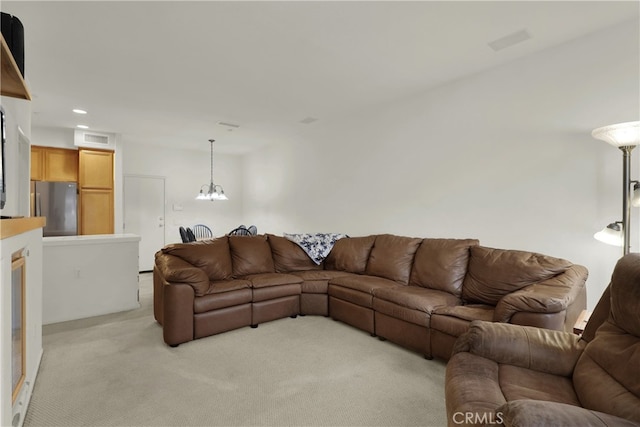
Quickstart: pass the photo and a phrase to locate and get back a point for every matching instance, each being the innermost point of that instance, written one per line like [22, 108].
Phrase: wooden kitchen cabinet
[96, 169]
[37, 163]
[54, 164]
[96, 211]
[95, 180]
[60, 165]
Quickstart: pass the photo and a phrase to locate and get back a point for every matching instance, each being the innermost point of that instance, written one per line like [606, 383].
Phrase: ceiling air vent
[94, 140]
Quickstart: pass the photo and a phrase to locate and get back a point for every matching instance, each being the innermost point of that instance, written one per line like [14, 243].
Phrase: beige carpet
[115, 370]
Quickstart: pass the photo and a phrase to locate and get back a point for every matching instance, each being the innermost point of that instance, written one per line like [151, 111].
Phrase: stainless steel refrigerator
[58, 202]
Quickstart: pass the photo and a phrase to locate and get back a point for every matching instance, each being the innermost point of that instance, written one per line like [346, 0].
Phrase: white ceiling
[166, 72]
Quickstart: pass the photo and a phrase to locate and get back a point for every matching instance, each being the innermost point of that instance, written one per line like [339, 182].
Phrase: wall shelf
[12, 83]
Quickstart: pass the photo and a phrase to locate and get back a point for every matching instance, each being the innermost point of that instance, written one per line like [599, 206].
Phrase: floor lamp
[625, 136]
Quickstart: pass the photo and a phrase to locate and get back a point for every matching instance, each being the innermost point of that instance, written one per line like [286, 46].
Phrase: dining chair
[183, 235]
[202, 232]
[239, 231]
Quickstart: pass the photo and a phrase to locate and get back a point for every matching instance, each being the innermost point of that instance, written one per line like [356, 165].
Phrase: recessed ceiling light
[79, 111]
[509, 40]
[82, 127]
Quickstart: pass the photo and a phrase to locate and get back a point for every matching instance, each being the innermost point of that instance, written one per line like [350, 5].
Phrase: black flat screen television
[3, 181]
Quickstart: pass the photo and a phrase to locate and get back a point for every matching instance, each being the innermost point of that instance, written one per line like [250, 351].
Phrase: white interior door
[144, 215]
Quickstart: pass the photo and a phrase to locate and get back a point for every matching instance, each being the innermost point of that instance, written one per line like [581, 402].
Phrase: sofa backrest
[250, 255]
[607, 375]
[494, 273]
[212, 256]
[442, 264]
[392, 256]
[350, 254]
[598, 316]
[289, 256]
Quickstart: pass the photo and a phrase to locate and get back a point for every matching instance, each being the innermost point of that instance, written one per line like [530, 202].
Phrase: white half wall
[505, 156]
[88, 276]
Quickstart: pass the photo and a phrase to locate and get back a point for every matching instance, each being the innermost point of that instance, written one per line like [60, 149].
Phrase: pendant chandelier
[214, 191]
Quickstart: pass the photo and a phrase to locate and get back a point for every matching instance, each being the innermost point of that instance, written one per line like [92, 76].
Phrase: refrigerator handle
[38, 205]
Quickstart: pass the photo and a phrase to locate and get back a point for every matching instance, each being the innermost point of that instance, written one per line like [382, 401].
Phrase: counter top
[89, 239]
[14, 226]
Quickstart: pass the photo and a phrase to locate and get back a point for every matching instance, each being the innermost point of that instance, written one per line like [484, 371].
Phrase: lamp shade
[619, 135]
[611, 235]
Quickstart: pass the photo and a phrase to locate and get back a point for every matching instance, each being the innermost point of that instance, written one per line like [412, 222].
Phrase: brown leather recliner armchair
[517, 375]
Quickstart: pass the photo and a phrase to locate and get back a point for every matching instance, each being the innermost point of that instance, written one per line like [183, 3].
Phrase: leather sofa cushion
[364, 284]
[388, 312]
[268, 293]
[223, 299]
[442, 264]
[317, 281]
[358, 289]
[227, 286]
[250, 255]
[625, 297]
[288, 256]
[392, 257]
[543, 413]
[607, 370]
[212, 256]
[455, 320]
[321, 274]
[315, 287]
[606, 377]
[415, 297]
[264, 280]
[468, 312]
[522, 383]
[494, 273]
[350, 254]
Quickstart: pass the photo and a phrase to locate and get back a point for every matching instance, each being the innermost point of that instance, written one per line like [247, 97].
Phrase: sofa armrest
[543, 350]
[176, 270]
[551, 296]
[542, 413]
[177, 314]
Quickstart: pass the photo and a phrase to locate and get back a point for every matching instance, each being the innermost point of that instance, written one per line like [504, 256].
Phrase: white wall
[185, 171]
[53, 137]
[18, 118]
[505, 156]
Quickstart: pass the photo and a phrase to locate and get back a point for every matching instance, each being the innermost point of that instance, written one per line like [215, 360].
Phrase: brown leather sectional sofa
[419, 293]
[515, 375]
